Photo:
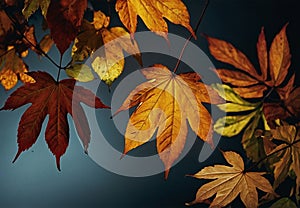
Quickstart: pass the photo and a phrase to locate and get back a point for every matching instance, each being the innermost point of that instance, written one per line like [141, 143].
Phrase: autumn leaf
[166, 102]
[47, 97]
[241, 115]
[245, 79]
[288, 153]
[231, 181]
[31, 6]
[46, 44]
[12, 68]
[153, 12]
[108, 62]
[64, 18]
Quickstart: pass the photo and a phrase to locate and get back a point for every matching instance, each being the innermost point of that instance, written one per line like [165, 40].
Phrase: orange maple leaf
[166, 102]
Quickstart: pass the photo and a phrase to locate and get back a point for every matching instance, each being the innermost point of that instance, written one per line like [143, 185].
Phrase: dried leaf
[230, 182]
[56, 100]
[288, 154]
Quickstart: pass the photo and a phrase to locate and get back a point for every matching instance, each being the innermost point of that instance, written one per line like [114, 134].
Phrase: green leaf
[31, 6]
[228, 94]
[253, 146]
[284, 203]
[232, 125]
[80, 72]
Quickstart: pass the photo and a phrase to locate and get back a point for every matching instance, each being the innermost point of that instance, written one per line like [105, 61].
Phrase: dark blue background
[33, 181]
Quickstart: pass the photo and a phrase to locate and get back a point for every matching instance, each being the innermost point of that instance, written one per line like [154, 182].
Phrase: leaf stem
[59, 69]
[190, 37]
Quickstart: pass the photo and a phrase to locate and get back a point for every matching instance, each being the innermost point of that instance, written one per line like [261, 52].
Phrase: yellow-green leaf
[232, 125]
[80, 72]
[31, 6]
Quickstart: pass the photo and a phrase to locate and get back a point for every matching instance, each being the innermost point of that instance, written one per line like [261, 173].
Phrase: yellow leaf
[31, 6]
[109, 61]
[231, 181]
[80, 72]
[12, 66]
[166, 102]
[153, 12]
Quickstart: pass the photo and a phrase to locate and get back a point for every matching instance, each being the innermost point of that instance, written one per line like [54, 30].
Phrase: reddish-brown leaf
[245, 79]
[293, 102]
[64, 18]
[56, 100]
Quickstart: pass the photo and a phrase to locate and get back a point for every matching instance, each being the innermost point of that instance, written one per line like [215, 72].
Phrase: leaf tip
[167, 174]
[17, 156]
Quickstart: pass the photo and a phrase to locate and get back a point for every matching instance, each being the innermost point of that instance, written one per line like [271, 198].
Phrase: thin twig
[37, 47]
[59, 68]
[190, 37]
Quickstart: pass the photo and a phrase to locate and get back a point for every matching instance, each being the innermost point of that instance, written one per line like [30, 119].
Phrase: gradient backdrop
[33, 181]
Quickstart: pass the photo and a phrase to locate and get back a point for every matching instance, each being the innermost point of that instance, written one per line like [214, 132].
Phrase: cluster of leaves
[262, 105]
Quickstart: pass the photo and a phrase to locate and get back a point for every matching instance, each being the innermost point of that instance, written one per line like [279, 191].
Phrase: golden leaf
[109, 61]
[230, 182]
[166, 102]
[153, 12]
[12, 66]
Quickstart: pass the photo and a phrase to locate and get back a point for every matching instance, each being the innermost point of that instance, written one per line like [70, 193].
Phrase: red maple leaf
[55, 99]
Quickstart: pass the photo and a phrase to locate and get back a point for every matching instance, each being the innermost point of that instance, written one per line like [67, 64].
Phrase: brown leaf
[288, 154]
[56, 100]
[230, 182]
[293, 102]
